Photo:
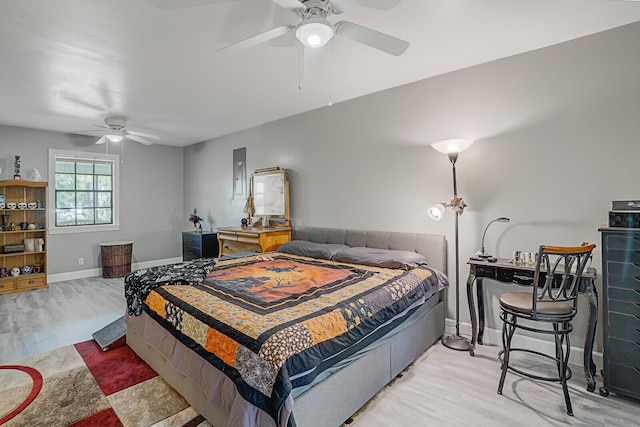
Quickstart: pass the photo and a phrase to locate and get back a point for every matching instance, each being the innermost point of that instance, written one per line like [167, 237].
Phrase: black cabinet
[199, 245]
[621, 286]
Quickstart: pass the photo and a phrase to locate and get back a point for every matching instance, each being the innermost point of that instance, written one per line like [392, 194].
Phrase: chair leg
[508, 329]
[562, 360]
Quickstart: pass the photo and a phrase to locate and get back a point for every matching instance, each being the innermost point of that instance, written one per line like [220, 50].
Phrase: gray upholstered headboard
[432, 246]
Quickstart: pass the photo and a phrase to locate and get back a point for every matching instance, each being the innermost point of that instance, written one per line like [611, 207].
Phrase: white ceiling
[65, 65]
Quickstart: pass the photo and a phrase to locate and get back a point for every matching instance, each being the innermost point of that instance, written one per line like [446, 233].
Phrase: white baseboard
[95, 272]
[494, 337]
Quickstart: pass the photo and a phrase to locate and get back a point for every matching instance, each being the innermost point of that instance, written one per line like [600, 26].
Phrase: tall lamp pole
[453, 147]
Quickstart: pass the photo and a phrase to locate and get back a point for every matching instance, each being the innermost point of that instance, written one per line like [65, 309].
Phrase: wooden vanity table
[268, 202]
[256, 239]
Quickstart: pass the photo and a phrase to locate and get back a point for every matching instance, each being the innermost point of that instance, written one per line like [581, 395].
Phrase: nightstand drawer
[189, 253]
[191, 241]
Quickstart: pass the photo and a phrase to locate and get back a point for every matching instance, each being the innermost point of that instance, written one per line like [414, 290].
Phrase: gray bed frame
[340, 395]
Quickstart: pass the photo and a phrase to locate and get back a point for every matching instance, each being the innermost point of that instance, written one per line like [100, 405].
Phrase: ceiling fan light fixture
[114, 138]
[314, 31]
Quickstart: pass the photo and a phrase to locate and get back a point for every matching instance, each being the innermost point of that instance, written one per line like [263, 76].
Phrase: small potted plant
[195, 219]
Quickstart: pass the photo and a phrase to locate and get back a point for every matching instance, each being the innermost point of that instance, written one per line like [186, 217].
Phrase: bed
[332, 389]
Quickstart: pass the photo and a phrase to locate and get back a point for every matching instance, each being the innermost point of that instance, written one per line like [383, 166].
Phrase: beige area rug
[81, 385]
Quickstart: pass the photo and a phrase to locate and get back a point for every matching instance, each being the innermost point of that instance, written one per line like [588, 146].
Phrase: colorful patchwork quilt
[139, 283]
[266, 320]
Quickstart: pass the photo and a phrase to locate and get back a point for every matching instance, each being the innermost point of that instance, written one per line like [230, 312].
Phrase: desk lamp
[482, 253]
[453, 147]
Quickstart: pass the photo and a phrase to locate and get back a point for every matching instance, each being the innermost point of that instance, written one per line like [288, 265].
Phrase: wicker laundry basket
[116, 258]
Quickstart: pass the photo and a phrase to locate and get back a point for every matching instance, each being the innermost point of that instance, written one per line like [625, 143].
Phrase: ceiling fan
[115, 131]
[315, 31]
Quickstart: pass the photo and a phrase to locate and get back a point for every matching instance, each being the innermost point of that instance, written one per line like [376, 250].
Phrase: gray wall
[557, 140]
[151, 210]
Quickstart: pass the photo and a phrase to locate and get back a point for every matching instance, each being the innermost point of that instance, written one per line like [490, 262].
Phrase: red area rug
[82, 385]
[116, 369]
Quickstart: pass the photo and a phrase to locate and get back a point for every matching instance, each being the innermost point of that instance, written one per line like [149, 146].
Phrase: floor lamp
[453, 147]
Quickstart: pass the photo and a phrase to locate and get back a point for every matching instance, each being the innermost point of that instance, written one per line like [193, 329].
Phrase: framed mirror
[269, 194]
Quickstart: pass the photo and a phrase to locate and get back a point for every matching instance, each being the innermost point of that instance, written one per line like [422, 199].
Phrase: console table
[522, 274]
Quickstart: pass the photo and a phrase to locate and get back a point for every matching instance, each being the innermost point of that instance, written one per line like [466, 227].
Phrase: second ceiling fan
[114, 131]
[314, 30]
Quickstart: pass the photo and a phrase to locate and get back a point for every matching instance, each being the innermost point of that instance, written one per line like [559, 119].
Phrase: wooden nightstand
[199, 245]
[256, 239]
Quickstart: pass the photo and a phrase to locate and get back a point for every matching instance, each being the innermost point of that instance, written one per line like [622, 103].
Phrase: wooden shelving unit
[18, 191]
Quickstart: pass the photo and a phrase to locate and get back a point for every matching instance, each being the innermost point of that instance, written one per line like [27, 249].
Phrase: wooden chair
[553, 304]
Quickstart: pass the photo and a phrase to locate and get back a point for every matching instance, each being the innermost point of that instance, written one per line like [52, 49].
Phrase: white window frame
[114, 159]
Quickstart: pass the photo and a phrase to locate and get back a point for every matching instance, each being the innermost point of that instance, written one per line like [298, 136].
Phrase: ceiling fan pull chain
[330, 104]
[300, 69]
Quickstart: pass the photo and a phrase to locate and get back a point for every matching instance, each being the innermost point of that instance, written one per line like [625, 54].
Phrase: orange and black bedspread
[270, 322]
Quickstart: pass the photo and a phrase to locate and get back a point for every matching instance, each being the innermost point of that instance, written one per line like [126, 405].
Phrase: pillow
[385, 258]
[311, 249]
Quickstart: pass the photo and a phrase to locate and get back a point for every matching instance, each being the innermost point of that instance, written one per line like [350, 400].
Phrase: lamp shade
[314, 31]
[448, 146]
[436, 211]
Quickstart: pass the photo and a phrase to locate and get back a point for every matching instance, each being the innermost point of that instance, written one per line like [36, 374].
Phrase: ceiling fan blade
[89, 131]
[258, 38]
[373, 38]
[341, 6]
[102, 140]
[142, 134]
[290, 4]
[138, 139]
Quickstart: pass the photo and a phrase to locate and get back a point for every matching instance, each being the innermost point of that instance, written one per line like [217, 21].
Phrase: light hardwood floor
[68, 312]
[451, 388]
[444, 388]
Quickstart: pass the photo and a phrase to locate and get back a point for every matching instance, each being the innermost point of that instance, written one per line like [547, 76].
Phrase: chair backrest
[559, 270]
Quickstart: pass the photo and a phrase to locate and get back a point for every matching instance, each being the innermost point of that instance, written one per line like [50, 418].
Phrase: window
[83, 189]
